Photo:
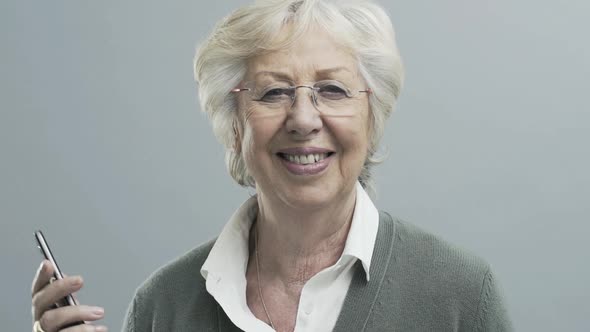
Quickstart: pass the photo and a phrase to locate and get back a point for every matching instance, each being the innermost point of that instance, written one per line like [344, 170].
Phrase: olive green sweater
[418, 283]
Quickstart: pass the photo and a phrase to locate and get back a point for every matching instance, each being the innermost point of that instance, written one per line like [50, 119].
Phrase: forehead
[315, 55]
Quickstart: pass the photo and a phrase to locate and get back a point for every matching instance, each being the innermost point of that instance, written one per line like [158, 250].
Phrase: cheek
[258, 138]
[351, 133]
[351, 136]
[248, 145]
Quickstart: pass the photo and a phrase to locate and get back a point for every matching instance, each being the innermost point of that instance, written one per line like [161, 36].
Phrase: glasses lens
[336, 99]
[270, 98]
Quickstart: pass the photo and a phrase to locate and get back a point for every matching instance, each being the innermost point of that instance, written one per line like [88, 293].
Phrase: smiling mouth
[304, 159]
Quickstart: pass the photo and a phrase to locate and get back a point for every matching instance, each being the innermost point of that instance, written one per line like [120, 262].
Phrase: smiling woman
[298, 93]
[281, 130]
[253, 36]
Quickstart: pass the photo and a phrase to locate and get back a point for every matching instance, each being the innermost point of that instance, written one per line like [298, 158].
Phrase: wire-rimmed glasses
[329, 97]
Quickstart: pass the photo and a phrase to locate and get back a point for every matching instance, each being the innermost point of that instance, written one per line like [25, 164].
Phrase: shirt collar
[229, 255]
[363, 230]
[228, 259]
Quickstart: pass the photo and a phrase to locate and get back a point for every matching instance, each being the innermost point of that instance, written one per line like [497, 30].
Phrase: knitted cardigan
[418, 283]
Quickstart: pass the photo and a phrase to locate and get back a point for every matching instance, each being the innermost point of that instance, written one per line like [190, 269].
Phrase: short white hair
[361, 25]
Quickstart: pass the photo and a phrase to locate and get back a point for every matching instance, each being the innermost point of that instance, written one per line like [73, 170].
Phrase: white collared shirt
[322, 296]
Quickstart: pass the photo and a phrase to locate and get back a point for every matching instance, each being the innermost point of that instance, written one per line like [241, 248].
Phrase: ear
[237, 136]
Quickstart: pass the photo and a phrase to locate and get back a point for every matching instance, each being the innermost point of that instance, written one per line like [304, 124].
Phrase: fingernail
[98, 311]
[101, 329]
[77, 281]
[43, 266]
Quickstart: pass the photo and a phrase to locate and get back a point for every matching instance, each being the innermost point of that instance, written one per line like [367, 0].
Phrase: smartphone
[44, 247]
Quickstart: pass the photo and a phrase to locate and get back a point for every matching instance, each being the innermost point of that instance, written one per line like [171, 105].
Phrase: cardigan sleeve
[492, 314]
[129, 322]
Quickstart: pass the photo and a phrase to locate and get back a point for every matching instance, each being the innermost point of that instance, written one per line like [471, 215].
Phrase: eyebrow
[287, 77]
[327, 71]
[275, 74]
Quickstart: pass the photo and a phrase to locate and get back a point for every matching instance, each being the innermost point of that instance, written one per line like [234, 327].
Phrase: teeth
[306, 159]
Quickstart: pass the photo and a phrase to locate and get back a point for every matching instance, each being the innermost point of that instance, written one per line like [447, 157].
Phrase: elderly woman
[298, 92]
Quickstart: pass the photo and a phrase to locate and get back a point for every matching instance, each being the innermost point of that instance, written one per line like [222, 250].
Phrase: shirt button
[308, 310]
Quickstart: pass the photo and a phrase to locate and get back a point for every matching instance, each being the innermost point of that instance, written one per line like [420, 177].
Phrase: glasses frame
[313, 88]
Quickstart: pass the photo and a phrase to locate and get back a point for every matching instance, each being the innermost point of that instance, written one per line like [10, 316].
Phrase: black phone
[44, 247]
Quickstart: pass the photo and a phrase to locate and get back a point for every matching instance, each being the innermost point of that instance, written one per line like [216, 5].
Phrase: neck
[294, 243]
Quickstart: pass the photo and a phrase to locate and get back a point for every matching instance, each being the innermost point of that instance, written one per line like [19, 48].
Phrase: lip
[304, 150]
[309, 169]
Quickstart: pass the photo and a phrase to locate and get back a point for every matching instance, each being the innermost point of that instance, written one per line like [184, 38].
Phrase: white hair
[361, 25]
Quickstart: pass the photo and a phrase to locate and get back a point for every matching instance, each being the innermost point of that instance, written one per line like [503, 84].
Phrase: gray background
[103, 146]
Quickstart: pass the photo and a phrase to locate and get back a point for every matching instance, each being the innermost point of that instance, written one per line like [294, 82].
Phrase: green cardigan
[418, 283]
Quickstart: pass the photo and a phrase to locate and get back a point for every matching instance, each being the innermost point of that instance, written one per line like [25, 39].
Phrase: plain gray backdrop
[103, 145]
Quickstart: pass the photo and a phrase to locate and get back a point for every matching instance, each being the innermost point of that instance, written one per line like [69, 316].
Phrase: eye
[275, 95]
[332, 91]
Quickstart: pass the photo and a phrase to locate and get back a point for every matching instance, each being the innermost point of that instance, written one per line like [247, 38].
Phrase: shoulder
[174, 297]
[440, 281]
[426, 251]
[181, 274]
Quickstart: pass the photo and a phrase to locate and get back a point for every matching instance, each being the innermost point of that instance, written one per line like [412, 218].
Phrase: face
[297, 154]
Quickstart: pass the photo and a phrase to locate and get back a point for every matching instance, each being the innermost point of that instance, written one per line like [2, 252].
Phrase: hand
[46, 293]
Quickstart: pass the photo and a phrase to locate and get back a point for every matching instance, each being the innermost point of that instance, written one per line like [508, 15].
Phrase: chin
[308, 197]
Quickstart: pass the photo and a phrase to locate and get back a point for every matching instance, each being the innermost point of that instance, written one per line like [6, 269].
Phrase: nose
[303, 120]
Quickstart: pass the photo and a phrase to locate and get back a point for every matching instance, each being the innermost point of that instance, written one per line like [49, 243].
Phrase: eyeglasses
[329, 97]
